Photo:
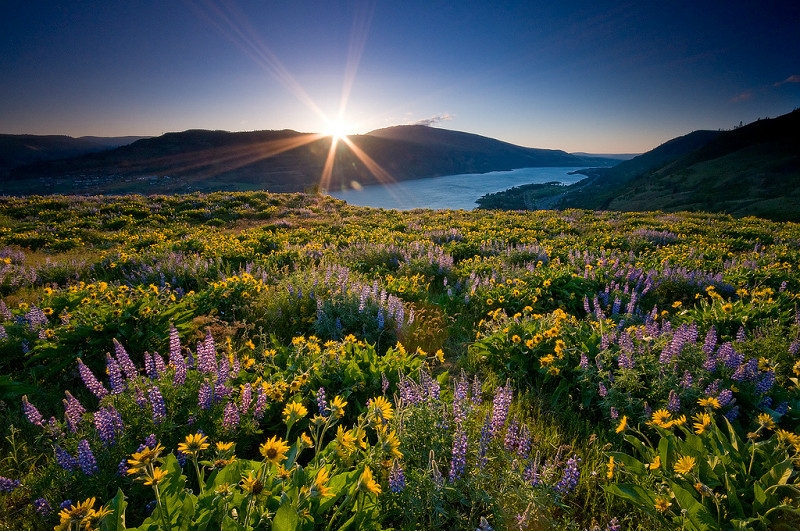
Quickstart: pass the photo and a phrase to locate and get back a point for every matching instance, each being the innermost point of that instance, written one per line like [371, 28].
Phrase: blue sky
[602, 77]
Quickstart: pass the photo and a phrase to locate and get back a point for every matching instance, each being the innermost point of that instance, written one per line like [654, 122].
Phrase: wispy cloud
[433, 120]
[744, 96]
[791, 79]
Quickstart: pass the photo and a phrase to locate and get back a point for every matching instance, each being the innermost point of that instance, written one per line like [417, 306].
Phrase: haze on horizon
[574, 75]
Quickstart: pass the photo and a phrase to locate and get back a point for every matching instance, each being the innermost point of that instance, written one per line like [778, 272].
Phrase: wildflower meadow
[240, 361]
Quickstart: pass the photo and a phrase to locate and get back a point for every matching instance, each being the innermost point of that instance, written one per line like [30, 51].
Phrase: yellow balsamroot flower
[662, 504]
[623, 423]
[611, 467]
[547, 360]
[337, 407]
[319, 488]
[661, 418]
[389, 443]
[294, 411]
[439, 356]
[345, 441]
[380, 409]
[727, 307]
[223, 447]
[530, 344]
[155, 477]
[684, 465]
[251, 484]
[274, 450]
[679, 421]
[765, 420]
[515, 338]
[367, 484]
[655, 464]
[702, 422]
[77, 513]
[139, 461]
[194, 444]
[709, 401]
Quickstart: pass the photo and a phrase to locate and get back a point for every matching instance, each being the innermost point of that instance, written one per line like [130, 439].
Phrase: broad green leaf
[759, 497]
[634, 494]
[286, 519]
[116, 520]
[697, 513]
[631, 464]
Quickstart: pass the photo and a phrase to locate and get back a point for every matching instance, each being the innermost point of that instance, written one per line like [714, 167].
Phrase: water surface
[453, 192]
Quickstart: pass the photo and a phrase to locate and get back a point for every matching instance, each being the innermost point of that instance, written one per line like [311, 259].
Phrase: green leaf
[697, 513]
[631, 464]
[116, 520]
[286, 519]
[759, 497]
[633, 493]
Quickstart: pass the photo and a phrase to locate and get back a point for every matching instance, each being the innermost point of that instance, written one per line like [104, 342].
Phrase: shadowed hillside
[280, 161]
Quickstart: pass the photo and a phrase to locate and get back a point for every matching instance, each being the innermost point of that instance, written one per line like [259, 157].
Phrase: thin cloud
[744, 96]
[791, 79]
[433, 120]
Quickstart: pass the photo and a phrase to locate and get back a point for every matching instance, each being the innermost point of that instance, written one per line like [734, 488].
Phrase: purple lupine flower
[158, 361]
[500, 405]
[584, 363]
[782, 408]
[124, 361]
[601, 390]
[459, 460]
[150, 366]
[86, 460]
[109, 425]
[569, 480]
[429, 386]
[175, 358]
[246, 398]
[31, 413]
[794, 348]
[477, 391]
[384, 383]
[122, 467]
[613, 525]
[230, 418]
[725, 397]
[64, 459]
[732, 414]
[711, 341]
[746, 372]
[532, 471]
[149, 442]
[397, 478]
[43, 507]
[261, 403]
[205, 395]
[613, 412]
[625, 360]
[741, 335]
[223, 369]
[483, 443]
[90, 381]
[674, 402]
[524, 442]
[765, 382]
[687, 380]
[65, 504]
[460, 399]
[3, 333]
[511, 439]
[8, 485]
[713, 388]
[140, 399]
[5, 313]
[114, 372]
[322, 403]
[729, 356]
[159, 409]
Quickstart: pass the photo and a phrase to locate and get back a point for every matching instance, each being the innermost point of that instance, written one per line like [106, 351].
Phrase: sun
[337, 129]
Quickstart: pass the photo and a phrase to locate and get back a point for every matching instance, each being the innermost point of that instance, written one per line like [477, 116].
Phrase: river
[451, 192]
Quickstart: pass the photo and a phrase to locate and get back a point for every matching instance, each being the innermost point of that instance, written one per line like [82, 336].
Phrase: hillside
[20, 150]
[750, 171]
[280, 161]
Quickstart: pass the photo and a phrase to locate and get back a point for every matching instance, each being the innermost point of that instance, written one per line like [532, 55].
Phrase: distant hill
[19, 150]
[279, 161]
[753, 170]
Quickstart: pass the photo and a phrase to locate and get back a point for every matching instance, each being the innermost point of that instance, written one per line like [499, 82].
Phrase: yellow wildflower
[366, 483]
[702, 422]
[194, 444]
[709, 401]
[684, 465]
[274, 450]
[662, 504]
[294, 411]
[655, 464]
[765, 420]
[623, 423]
[319, 488]
[661, 418]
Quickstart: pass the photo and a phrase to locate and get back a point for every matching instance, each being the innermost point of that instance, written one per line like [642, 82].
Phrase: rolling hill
[753, 170]
[279, 161]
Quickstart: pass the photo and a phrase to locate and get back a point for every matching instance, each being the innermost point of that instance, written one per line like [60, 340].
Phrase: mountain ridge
[279, 161]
